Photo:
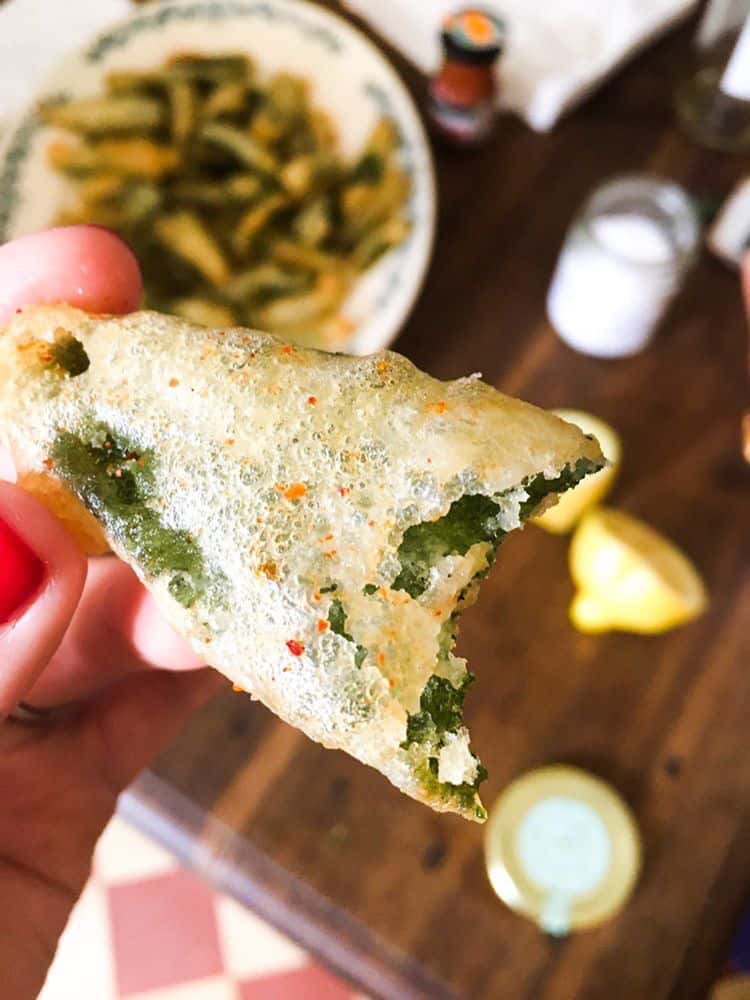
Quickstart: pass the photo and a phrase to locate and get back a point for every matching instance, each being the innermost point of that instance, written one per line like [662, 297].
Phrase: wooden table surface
[395, 896]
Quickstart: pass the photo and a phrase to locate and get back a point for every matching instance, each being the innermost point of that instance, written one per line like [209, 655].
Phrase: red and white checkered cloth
[147, 929]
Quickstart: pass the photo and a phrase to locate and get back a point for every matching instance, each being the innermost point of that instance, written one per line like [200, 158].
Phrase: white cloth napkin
[36, 34]
[558, 50]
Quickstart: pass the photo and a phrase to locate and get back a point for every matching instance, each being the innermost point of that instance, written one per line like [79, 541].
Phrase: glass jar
[713, 102]
[624, 259]
[562, 848]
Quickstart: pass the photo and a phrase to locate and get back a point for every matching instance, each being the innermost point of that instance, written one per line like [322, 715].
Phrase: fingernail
[21, 573]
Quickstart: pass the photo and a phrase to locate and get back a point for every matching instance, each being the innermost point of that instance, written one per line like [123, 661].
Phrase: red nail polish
[21, 573]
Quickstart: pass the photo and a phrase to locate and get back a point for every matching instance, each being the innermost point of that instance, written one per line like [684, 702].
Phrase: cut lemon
[629, 577]
[572, 505]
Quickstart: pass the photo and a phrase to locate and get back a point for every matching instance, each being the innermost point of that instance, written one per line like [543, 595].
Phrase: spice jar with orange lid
[463, 93]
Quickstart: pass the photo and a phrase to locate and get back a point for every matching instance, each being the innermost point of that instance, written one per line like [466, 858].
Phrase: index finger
[85, 266]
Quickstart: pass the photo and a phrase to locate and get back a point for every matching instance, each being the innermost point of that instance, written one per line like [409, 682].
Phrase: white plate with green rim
[349, 78]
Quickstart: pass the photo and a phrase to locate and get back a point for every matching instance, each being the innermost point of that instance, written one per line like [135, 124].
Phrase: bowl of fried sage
[263, 160]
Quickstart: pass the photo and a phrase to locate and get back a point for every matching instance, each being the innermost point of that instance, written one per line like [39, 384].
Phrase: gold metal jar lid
[562, 848]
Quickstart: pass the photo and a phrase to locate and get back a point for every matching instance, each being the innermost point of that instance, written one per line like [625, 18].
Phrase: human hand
[71, 632]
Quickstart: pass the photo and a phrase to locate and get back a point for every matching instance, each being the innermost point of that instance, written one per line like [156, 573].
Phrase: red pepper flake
[344, 491]
[391, 682]
[288, 349]
[383, 366]
[322, 625]
[437, 613]
[371, 523]
[47, 463]
[238, 689]
[328, 538]
[331, 554]
[316, 596]
[141, 462]
[295, 492]
[312, 400]
[295, 648]
[270, 569]
[285, 670]
[440, 407]
[229, 441]
[173, 383]
[381, 659]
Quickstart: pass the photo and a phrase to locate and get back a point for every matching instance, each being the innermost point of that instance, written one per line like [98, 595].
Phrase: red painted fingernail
[21, 573]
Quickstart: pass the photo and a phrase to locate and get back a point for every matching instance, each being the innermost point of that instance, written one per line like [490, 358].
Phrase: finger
[128, 726]
[117, 629]
[42, 573]
[86, 266]
[154, 641]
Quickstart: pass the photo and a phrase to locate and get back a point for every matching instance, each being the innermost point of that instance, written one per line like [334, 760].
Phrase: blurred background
[558, 197]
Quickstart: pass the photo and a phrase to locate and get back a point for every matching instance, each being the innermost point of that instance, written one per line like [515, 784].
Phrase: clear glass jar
[713, 101]
[624, 259]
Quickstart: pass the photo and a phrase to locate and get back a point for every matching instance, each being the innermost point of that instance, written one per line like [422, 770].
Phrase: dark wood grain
[395, 896]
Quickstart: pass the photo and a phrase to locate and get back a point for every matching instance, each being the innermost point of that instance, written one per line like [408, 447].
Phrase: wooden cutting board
[395, 896]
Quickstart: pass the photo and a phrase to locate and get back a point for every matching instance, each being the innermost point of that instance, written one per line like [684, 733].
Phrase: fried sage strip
[185, 235]
[101, 115]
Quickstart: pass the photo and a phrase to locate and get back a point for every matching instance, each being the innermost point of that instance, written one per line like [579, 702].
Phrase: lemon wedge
[568, 510]
[629, 577]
